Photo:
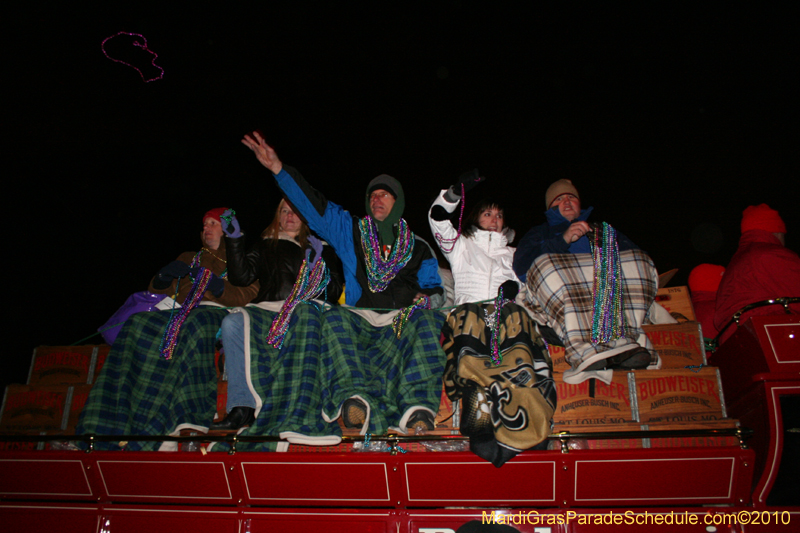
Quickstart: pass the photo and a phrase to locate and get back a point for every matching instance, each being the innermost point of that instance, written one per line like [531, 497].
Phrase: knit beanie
[389, 184]
[558, 188]
[215, 213]
[705, 277]
[762, 217]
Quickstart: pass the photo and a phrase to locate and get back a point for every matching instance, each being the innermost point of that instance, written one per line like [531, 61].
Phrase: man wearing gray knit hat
[563, 233]
[560, 265]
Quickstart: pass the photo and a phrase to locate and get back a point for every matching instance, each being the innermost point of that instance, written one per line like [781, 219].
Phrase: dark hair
[471, 224]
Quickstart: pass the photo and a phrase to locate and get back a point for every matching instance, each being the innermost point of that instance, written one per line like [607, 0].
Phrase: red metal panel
[780, 341]
[47, 518]
[772, 391]
[690, 475]
[316, 481]
[316, 520]
[165, 478]
[163, 519]
[450, 480]
[44, 476]
[764, 347]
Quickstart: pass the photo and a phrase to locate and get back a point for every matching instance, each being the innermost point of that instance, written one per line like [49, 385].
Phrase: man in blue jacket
[563, 233]
[561, 292]
[381, 380]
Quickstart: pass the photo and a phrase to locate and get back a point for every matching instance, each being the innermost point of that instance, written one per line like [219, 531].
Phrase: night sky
[669, 123]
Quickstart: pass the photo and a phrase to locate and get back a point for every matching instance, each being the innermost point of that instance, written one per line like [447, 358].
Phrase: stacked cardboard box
[59, 381]
[677, 301]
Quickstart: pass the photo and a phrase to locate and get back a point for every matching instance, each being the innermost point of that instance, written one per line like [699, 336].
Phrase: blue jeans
[239, 394]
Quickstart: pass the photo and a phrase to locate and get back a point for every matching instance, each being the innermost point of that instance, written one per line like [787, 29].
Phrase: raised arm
[447, 201]
[327, 219]
[264, 153]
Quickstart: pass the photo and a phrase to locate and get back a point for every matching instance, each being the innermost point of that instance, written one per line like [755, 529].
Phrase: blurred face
[381, 203]
[289, 221]
[569, 206]
[212, 233]
[491, 219]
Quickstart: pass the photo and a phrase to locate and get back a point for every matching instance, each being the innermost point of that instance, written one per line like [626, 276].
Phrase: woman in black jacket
[275, 263]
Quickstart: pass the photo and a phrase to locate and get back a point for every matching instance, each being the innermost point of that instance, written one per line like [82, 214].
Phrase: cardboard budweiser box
[99, 361]
[80, 393]
[677, 301]
[594, 402]
[678, 395]
[57, 365]
[28, 409]
[448, 419]
[678, 345]
[558, 356]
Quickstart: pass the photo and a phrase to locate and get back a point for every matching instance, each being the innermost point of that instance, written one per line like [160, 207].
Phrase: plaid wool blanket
[560, 295]
[326, 357]
[287, 382]
[395, 377]
[140, 393]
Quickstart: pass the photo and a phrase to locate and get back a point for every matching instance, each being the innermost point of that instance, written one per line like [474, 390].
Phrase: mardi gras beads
[400, 320]
[198, 289]
[608, 320]
[379, 272]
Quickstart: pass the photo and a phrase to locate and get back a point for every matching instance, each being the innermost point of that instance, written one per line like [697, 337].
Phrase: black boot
[238, 417]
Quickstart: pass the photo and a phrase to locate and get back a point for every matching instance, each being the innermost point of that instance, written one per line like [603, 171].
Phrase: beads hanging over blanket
[199, 286]
[399, 321]
[312, 281]
[608, 321]
[493, 322]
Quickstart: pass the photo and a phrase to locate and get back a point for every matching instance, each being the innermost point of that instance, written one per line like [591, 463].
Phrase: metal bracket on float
[563, 437]
[394, 444]
[234, 439]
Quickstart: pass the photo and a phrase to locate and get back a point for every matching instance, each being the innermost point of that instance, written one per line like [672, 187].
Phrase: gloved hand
[176, 269]
[469, 180]
[510, 290]
[316, 245]
[216, 285]
[229, 224]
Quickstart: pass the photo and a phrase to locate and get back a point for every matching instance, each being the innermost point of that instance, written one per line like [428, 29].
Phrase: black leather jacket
[274, 263]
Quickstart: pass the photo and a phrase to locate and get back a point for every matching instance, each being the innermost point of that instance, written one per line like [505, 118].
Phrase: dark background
[669, 122]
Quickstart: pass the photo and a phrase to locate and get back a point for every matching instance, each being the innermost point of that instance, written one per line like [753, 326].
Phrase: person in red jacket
[703, 284]
[761, 269]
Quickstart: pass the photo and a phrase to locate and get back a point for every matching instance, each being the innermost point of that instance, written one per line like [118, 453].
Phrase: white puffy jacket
[480, 263]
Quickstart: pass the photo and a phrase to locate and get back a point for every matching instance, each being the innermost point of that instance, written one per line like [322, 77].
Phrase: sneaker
[354, 413]
[633, 359]
[636, 359]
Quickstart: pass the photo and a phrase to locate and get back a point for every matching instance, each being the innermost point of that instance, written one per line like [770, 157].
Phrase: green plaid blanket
[326, 358]
[140, 393]
[394, 376]
[286, 381]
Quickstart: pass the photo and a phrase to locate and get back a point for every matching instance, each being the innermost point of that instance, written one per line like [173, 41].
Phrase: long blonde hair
[273, 230]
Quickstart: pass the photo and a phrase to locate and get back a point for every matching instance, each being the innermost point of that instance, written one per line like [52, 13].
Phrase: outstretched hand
[468, 180]
[264, 153]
